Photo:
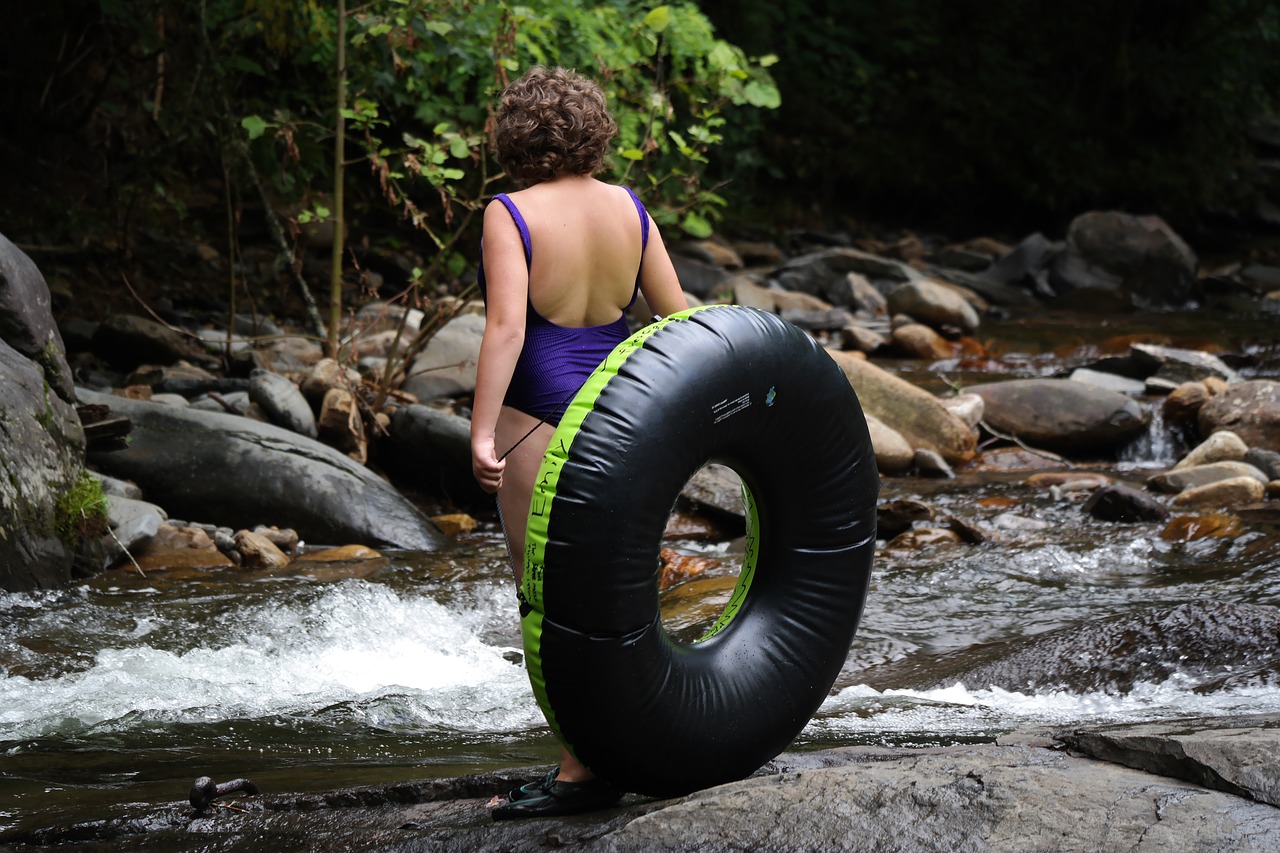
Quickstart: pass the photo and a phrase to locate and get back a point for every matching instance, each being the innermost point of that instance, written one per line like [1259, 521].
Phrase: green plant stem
[339, 156]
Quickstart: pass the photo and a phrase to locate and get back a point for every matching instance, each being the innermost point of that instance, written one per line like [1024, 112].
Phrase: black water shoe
[534, 789]
[560, 798]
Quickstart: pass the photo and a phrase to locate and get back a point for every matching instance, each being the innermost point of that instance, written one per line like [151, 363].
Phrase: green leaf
[763, 95]
[767, 60]
[658, 19]
[632, 153]
[440, 28]
[696, 226]
[255, 125]
[458, 148]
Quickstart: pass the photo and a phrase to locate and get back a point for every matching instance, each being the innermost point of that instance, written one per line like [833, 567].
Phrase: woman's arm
[507, 280]
[658, 280]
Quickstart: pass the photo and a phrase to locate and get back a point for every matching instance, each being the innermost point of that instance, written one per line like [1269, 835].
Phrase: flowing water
[124, 689]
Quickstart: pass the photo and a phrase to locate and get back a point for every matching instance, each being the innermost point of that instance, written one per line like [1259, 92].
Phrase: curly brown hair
[552, 123]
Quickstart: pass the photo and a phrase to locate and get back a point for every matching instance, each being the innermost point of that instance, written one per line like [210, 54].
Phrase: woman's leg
[523, 461]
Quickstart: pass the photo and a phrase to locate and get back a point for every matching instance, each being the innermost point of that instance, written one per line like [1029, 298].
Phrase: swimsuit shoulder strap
[520, 224]
[644, 240]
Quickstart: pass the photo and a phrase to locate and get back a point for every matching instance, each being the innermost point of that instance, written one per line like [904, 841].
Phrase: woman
[563, 259]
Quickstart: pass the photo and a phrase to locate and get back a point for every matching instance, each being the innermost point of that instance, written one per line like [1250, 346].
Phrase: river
[124, 689]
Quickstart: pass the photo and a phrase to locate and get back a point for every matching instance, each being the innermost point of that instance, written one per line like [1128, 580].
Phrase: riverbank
[1177, 785]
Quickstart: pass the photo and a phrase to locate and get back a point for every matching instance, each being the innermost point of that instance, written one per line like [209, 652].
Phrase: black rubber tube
[747, 389]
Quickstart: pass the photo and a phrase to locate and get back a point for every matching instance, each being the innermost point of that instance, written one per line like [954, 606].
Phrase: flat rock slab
[1023, 794]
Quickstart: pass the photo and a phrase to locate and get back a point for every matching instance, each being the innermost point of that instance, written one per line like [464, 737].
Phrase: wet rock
[447, 366]
[748, 293]
[900, 515]
[820, 320]
[701, 278]
[289, 354]
[1222, 446]
[1061, 415]
[1188, 528]
[119, 488]
[915, 414]
[454, 523]
[1181, 407]
[432, 448]
[26, 318]
[822, 273]
[1250, 409]
[1111, 381]
[133, 523]
[968, 407]
[858, 294]
[1177, 366]
[916, 340]
[717, 490]
[1123, 503]
[858, 337]
[125, 341]
[283, 402]
[1239, 755]
[894, 455]
[1181, 479]
[923, 537]
[339, 424]
[930, 464]
[933, 304]
[1138, 256]
[1196, 639]
[324, 375]
[341, 554]
[1267, 461]
[259, 552]
[237, 472]
[1025, 266]
[177, 537]
[286, 540]
[1234, 491]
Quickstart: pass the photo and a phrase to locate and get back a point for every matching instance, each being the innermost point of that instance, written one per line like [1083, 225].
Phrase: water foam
[354, 643]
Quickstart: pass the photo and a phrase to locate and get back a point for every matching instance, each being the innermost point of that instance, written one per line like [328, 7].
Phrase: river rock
[1266, 461]
[1181, 479]
[968, 407]
[929, 463]
[1123, 503]
[325, 374]
[1181, 407]
[259, 552]
[893, 453]
[1138, 256]
[716, 489]
[748, 293]
[1231, 492]
[822, 273]
[288, 354]
[125, 341]
[915, 414]
[1214, 525]
[236, 472]
[1201, 638]
[26, 318]
[432, 448]
[703, 279]
[933, 304]
[1061, 415]
[1250, 409]
[856, 292]
[41, 439]
[1026, 265]
[1176, 366]
[1222, 446]
[1110, 381]
[916, 340]
[340, 425]
[282, 402]
[856, 336]
[1236, 754]
[447, 365]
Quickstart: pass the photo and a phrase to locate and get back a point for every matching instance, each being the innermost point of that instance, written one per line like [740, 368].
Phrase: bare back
[586, 249]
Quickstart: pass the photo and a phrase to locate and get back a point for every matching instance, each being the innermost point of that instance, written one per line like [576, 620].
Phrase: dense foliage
[182, 104]
[1009, 107]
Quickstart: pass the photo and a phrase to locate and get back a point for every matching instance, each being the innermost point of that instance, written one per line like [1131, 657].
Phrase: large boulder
[1251, 410]
[915, 414]
[1062, 415]
[447, 366]
[933, 304]
[41, 440]
[233, 471]
[1138, 257]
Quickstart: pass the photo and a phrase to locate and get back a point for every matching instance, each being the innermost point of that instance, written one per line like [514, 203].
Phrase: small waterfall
[1161, 446]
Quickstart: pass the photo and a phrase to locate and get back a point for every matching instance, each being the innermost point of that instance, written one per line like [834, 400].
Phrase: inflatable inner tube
[724, 384]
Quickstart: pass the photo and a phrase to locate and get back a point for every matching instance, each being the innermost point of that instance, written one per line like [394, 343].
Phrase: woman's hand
[486, 466]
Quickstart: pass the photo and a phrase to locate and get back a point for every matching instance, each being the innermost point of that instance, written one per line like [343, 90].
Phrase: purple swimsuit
[556, 360]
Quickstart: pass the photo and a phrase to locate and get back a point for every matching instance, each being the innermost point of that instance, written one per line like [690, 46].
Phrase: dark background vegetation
[120, 122]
